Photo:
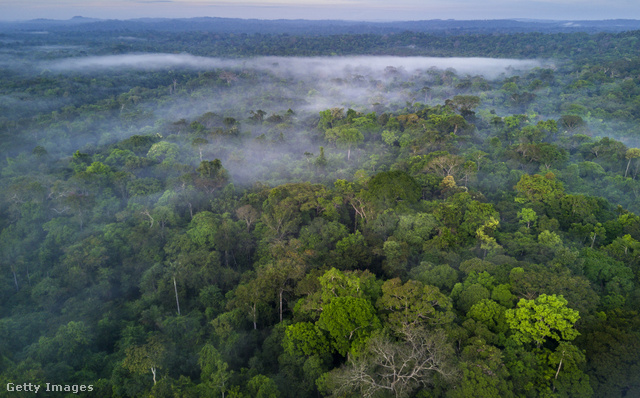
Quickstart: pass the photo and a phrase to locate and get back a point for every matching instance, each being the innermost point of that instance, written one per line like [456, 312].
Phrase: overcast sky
[364, 10]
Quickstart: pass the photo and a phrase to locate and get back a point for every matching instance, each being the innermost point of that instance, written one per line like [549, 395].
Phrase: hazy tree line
[432, 235]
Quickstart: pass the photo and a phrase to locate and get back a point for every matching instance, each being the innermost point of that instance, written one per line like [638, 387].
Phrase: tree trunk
[153, 371]
[559, 366]
[627, 170]
[255, 324]
[281, 291]
[15, 279]
[175, 287]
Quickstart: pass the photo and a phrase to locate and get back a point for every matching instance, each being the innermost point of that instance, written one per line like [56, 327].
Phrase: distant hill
[322, 27]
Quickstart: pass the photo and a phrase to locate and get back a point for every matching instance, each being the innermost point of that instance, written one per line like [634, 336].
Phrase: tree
[598, 231]
[546, 154]
[359, 284]
[280, 277]
[632, 153]
[148, 357]
[484, 374]
[214, 370]
[11, 252]
[608, 276]
[396, 255]
[73, 342]
[465, 103]
[399, 367]
[251, 297]
[247, 214]
[321, 160]
[537, 188]
[330, 118]
[343, 310]
[306, 338]
[527, 216]
[564, 371]
[469, 171]
[287, 205]
[349, 321]
[258, 115]
[351, 252]
[413, 304]
[199, 143]
[211, 175]
[345, 137]
[446, 165]
[261, 386]
[490, 314]
[546, 316]
[164, 151]
[487, 242]
[613, 349]
[391, 187]
[571, 122]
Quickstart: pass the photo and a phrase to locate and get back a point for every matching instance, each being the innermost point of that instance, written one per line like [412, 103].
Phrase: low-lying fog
[298, 66]
[306, 85]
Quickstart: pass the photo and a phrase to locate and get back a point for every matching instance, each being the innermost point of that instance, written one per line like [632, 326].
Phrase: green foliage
[527, 216]
[145, 358]
[352, 251]
[349, 321]
[413, 305]
[164, 151]
[537, 188]
[262, 387]
[542, 318]
[335, 284]
[214, 371]
[389, 189]
[306, 338]
[483, 373]
[442, 276]
[489, 313]
[300, 270]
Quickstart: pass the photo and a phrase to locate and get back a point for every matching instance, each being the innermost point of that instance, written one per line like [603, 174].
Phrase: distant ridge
[322, 27]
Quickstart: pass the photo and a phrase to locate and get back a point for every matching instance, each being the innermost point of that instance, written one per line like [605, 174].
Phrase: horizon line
[516, 19]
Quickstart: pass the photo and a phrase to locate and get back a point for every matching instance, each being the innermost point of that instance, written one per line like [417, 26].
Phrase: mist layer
[319, 67]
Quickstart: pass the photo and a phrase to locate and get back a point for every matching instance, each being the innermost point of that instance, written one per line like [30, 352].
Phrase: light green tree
[527, 216]
[349, 321]
[304, 338]
[537, 188]
[545, 317]
[487, 242]
[489, 313]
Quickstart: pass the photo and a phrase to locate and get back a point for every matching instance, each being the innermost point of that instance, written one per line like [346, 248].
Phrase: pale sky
[363, 10]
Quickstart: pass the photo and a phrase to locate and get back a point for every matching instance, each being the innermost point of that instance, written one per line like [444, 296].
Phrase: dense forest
[212, 214]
